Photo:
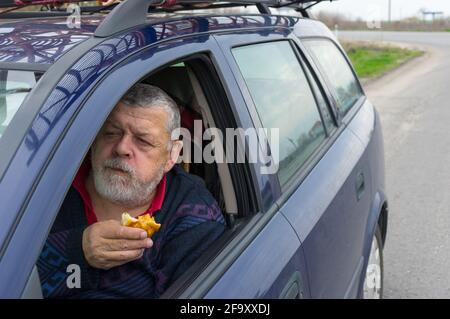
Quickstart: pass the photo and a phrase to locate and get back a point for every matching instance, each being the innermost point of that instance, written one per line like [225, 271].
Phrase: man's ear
[174, 154]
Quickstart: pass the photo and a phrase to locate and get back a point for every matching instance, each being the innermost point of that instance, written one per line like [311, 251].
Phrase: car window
[323, 104]
[14, 87]
[284, 100]
[179, 81]
[336, 68]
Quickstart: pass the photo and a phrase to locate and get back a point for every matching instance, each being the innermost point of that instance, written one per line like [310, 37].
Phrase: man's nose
[123, 147]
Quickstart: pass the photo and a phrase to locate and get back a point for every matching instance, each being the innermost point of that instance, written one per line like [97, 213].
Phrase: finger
[123, 232]
[124, 256]
[125, 244]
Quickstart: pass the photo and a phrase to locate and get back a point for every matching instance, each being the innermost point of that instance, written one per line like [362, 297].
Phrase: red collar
[79, 183]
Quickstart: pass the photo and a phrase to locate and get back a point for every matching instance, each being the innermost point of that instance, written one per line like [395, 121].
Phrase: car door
[267, 71]
[262, 258]
[249, 253]
[330, 208]
[58, 140]
[324, 185]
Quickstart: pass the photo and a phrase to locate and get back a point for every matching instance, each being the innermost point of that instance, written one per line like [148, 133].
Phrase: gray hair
[148, 96]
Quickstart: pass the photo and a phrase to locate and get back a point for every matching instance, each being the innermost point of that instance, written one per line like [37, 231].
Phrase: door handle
[360, 186]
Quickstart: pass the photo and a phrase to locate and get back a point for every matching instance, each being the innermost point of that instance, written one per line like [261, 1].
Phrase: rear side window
[336, 69]
[284, 100]
[14, 87]
[323, 105]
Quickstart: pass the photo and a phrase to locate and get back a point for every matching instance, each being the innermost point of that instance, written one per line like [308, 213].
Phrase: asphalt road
[414, 105]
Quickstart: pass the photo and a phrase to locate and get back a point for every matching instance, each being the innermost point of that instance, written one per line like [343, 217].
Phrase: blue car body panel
[42, 41]
[301, 238]
[369, 118]
[62, 105]
[256, 265]
[333, 253]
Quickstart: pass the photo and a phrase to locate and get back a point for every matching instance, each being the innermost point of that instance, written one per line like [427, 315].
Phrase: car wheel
[373, 281]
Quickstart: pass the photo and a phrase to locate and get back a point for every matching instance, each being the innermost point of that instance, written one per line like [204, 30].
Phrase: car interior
[180, 82]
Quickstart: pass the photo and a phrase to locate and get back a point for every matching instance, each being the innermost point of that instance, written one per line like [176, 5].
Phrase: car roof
[44, 40]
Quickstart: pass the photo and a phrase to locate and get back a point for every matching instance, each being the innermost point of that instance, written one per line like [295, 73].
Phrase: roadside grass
[373, 60]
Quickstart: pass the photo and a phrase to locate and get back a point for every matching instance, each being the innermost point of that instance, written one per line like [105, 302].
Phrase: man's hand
[108, 244]
[109, 2]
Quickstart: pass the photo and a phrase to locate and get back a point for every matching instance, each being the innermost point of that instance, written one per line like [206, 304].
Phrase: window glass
[323, 104]
[14, 87]
[336, 68]
[284, 100]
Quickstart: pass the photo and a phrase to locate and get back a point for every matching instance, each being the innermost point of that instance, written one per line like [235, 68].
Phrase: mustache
[116, 163]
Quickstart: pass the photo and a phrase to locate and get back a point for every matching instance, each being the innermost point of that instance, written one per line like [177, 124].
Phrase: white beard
[125, 190]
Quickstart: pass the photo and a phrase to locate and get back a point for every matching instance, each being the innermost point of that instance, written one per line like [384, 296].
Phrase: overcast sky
[378, 9]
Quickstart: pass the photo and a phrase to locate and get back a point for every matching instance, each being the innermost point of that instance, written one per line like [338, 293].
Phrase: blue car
[308, 221]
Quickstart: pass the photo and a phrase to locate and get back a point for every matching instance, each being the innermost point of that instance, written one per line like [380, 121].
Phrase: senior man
[131, 168]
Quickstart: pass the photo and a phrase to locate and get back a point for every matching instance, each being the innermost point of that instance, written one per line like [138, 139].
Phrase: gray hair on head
[148, 96]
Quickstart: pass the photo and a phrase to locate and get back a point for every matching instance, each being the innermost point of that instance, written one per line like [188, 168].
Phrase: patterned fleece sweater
[190, 221]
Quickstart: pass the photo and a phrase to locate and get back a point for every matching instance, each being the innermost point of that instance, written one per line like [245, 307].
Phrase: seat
[175, 81]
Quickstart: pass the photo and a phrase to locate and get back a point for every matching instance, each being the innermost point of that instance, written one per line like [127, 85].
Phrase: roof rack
[25, 3]
[301, 6]
[117, 20]
[131, 13]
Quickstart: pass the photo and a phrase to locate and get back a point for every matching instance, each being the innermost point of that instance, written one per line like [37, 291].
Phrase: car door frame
[78, 133]
[249, 37]
[343, 125]
[74, 143]
[367, 118]
[314, 72]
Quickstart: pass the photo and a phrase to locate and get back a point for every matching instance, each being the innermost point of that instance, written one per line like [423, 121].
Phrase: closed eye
[111, 133]
[144, 142]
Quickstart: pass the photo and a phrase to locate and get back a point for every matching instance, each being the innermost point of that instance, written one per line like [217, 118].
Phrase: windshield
[14, 87]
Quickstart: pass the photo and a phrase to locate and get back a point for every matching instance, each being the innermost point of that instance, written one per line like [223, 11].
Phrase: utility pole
[390, 11]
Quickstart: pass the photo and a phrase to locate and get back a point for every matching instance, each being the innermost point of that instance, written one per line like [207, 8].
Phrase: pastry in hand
[145, 222]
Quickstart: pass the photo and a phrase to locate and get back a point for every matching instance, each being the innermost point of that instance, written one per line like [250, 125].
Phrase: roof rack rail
[24, 3]
[119, 18]
[131, 13]
[11, 14]
[301, 6]
[126, 15]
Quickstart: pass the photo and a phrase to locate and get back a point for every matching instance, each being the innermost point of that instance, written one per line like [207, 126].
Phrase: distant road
[436, 39]
[414, 105]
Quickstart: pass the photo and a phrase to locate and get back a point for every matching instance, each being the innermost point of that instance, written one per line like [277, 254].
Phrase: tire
[374, 275]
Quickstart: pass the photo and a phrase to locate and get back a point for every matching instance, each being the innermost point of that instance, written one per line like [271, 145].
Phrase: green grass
[374, 60]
